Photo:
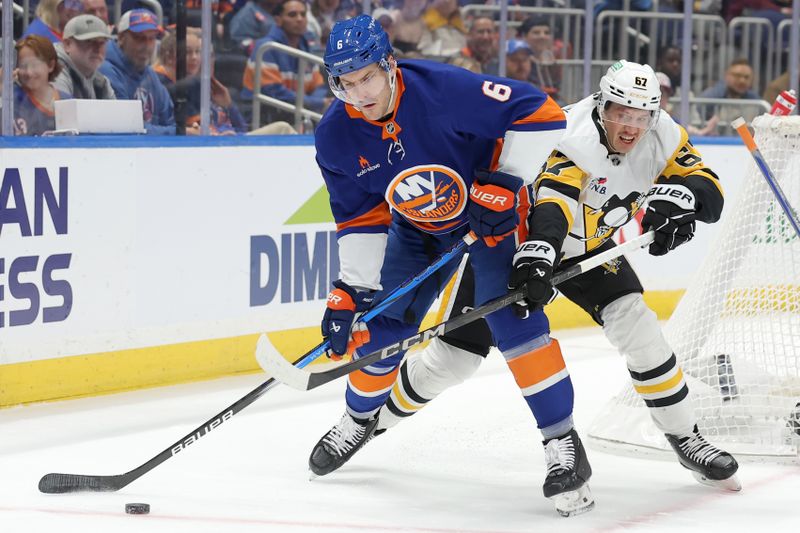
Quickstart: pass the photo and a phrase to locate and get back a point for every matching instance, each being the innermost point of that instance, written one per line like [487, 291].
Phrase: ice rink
[471, 461]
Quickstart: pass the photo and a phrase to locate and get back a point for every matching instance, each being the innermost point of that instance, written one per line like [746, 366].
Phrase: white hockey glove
[671, 214]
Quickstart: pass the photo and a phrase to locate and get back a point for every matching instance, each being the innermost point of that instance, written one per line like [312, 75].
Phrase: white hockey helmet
[631, 85]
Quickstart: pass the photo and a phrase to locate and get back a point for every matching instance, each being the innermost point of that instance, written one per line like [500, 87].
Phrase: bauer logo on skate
[429, 194]
[30, 284]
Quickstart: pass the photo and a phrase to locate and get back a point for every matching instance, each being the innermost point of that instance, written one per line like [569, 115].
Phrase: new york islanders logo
[429, 196]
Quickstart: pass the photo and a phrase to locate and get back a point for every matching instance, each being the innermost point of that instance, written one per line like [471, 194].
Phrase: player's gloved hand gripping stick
[55, 483]
[274, 363]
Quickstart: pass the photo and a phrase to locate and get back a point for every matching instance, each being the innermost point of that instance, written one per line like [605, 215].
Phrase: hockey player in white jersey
[619, 150]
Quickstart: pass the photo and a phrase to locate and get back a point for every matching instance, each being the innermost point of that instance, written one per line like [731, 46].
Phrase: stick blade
[62, 483]
[274, 364]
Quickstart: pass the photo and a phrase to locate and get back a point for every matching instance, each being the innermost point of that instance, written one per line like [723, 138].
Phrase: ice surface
[470, 461]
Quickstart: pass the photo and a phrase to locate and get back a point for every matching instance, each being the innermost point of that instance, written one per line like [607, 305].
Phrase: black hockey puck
[137, 508]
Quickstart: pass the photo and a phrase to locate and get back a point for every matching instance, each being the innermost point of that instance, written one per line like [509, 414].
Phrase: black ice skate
[339, 444]
[568, 471]
[709, 465]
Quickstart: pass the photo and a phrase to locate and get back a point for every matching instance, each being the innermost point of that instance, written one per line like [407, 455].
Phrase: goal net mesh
[736, 331]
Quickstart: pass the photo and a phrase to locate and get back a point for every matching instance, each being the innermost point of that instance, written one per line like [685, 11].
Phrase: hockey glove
[345, 304]
[671, 215]
[492, 209]
[533, 267]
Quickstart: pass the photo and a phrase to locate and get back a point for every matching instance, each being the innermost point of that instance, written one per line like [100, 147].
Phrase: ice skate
[568, 472]
[709, 465]
[339, 444]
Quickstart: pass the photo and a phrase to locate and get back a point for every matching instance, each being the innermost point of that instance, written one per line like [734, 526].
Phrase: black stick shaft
[60, 483]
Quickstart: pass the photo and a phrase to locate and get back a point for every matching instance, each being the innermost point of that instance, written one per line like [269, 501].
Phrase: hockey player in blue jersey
[415, 154]
[620, 148]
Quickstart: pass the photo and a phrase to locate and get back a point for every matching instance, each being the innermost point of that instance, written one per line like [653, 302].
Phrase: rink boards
[126, 266]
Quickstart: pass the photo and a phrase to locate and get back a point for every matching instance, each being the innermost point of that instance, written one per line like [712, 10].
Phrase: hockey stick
[55, 483]
[741, 128]
[274, 363]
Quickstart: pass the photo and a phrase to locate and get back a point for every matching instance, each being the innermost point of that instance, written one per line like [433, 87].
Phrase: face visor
[367, 88]
[629, 116]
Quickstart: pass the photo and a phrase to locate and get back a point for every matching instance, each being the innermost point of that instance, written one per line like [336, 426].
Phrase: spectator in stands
[482, 44]
[98, 8]
[518, 60]
[776, 86]
[737, 84]
[468, 63]
[448, 34]
[224, 116]
[774, 10]
[410, 32]
[252, 22]
[545, 72]
[52, 16]
[81, 54]
[279, 70]
[617, 5]
[34, 96]
[324, 13]
[127, 66]
[665, 85]
[385, 18]
[693, 129]
[669, 60]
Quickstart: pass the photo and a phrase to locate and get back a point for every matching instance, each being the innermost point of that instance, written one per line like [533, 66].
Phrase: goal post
[736, 331]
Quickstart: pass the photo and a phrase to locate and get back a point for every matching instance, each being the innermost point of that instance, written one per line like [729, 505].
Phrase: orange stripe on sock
[538, 365]
[369, 383]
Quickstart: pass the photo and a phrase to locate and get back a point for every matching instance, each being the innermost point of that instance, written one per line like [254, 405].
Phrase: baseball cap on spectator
[382, 12]
[85, 27]
[137, 21]
[664, 81]
[515, 45]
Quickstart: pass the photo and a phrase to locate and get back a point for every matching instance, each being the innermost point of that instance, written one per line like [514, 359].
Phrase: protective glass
[629, 116]
[362, 91]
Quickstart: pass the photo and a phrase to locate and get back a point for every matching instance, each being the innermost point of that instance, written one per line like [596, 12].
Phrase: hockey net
[736, 331]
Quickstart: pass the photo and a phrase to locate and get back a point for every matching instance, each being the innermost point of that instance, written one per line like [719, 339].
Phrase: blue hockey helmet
[355, 43]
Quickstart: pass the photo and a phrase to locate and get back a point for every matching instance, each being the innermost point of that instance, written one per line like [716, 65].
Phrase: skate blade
[732, 483]
[574, 502]
[312, 476]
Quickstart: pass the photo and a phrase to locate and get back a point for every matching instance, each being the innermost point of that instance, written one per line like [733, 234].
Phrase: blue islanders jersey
[31, 117]
[419, 164]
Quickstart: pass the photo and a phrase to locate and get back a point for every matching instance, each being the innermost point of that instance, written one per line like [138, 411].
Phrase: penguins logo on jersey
[428, 195]
[602, 222]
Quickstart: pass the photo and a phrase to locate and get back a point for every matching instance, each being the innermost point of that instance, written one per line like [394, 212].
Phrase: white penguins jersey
[592, 192]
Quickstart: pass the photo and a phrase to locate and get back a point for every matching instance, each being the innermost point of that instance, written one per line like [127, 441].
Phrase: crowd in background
[71, 49]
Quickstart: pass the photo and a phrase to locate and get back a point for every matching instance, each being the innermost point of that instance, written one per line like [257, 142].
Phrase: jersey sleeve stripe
[562, 204]
[557, 186]
[549, 116]
[376, 220]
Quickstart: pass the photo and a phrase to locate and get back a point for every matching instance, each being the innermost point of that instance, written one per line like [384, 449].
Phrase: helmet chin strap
[393, 89]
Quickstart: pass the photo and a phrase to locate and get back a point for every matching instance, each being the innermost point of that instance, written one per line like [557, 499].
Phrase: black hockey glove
[671, 215]
[345, 303]
[492, 208]
[533, 267]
